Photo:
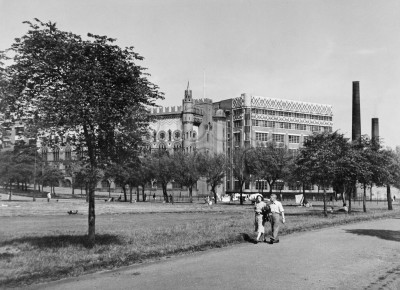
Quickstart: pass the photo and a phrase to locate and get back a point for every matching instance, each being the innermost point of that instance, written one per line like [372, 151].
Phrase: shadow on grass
[382, 234]
[62, 241]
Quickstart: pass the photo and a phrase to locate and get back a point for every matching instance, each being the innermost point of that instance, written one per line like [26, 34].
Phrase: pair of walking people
[269, 211]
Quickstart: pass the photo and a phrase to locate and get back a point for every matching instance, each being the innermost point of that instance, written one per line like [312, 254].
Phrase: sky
[303, 50]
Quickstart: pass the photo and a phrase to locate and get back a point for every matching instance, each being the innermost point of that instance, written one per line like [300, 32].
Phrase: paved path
[357, 256]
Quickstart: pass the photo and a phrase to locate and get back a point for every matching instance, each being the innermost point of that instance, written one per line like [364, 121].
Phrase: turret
[187, 120]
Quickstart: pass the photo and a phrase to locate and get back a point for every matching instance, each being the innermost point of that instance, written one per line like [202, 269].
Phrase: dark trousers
[275, 223]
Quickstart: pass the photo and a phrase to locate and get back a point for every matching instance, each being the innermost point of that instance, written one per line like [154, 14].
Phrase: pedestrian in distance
[259, 208]
[48, 196]
[276, 209]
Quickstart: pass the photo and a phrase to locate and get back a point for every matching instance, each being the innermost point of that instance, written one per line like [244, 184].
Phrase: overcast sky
[300, 50]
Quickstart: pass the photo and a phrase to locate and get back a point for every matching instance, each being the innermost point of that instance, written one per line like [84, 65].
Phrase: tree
[145, 173]
[240, 168]
[186, 170]
[163, 167]
[51, 176]
[270, 163]
[320, 157]
[213, 168]
[391, 159]
[91, 87]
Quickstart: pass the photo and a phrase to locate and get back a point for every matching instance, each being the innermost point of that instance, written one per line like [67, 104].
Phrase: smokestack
[356, 117]
[375, 129]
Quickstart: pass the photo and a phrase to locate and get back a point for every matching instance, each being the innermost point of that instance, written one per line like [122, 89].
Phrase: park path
[357, 256]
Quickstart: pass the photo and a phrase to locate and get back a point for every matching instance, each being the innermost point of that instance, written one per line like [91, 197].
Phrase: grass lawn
[39, 241]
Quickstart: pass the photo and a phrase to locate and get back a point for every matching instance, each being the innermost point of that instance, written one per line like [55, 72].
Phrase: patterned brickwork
[285, 105]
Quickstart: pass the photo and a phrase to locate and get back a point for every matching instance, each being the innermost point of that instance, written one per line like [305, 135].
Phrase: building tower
[187, 120]
[375, 129]
[356, 116]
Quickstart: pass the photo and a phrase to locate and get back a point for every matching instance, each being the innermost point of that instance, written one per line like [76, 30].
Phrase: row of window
[263, 185]
[291, 114]
[291, 126]
[56, 155]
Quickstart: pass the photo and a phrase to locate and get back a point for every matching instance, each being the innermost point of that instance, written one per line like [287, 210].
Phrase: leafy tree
[186, 170]
[163, 166]
[270, 163]
[213, 168]
[51, 176]
[391, 159]
[145, 173]
[240, 168]
[91, 87]
[320, 157]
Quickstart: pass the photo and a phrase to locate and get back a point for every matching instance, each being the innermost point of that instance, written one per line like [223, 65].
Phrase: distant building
[256, 120]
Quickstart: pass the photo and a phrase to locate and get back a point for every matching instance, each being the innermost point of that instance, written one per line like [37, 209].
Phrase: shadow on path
[62, 241]
[382, 234]
[248, 239]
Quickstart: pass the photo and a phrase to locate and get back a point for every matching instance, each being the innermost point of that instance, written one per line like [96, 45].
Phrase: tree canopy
[91, 88]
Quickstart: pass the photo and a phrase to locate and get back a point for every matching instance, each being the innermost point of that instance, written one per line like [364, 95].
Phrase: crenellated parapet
[167, 110]
[202, 101]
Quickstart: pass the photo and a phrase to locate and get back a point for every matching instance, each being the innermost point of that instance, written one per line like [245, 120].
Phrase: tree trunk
[365, 198]
[215, 193]
[9, 196]
[73, 189]
[109, 191]
[389, 197]
[130, 194]
[325, 212]
[91, 218]
[137, 193]
[124, 190]
[143, 192]
[164, 189]
[190, 193]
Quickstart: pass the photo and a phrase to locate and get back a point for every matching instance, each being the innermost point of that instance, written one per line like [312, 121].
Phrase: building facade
[255, 120]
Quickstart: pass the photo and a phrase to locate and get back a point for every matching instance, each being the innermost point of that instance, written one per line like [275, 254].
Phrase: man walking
[276, 211]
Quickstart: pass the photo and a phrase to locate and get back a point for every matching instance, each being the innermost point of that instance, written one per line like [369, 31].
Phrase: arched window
[162, 146]
[44, 153]
[105, 184]
[177, 146]
[68, 155]
[56, 154]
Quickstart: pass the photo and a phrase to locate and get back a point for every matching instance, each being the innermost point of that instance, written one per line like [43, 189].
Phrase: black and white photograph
[199, 144]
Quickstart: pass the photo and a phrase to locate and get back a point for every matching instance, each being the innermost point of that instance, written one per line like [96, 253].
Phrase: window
[293, 152]
[56, 154]
[177, 146]
[294, 139]
[261, 184]
[301, 127]
[237, 123]
[44, 154]
[68, 153]
[279, 138]
[177, 135]
[261, 136]
[278, 185]
[236, 137]
[295, 186]
[270, 124]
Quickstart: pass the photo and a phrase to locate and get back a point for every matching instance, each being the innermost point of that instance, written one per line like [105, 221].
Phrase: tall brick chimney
[375, 128]
[356, 116]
